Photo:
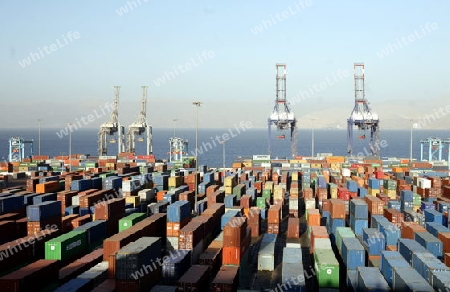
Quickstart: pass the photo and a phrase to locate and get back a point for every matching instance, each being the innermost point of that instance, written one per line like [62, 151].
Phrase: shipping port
[133, 222]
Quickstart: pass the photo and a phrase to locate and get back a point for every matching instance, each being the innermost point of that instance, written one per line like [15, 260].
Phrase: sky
[227, 51]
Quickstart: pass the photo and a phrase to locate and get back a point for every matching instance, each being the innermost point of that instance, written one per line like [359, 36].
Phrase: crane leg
[269, 125]
[349, 136]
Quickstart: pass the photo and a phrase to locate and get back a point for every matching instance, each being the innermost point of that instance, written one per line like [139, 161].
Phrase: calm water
[244, 144]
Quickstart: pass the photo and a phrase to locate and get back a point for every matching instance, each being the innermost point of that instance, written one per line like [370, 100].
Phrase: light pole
[312, 138]
[174, 122]
[197, 104]
[39, 139]
[70, 147]
[223, 157]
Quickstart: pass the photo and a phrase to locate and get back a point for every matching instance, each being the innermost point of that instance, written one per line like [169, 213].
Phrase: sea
[239, 143]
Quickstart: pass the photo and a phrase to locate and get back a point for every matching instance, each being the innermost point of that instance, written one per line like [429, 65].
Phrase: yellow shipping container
[390, 193]
[269, 185]
[247, 163]
[316, 165]
[335, 159]
[230, 181]
[294, 176]
[373, 192]
[298, 161]
[175, 181]
[135, 200]
[237, 164]
[333, 192]
[228, 190]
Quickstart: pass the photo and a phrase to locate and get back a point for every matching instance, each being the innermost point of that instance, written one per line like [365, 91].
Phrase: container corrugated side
[66, 246]
[371, 279]
[408, 279]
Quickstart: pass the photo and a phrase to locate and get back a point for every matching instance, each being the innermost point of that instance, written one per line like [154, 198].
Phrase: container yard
[330, 224]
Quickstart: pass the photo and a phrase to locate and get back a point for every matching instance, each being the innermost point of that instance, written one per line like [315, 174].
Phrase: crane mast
[362, 118]
[281, 116]
[110, 128]
[139, 127]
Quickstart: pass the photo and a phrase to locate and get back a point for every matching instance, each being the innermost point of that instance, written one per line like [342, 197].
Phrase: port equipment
[178, 149]
[17, 149]
[362, 118]
[140, 128]
[112, 127]
[282, 116]
[435, 147]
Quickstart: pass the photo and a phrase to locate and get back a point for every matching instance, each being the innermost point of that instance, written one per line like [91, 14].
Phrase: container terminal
[260, 225]
[132, 222]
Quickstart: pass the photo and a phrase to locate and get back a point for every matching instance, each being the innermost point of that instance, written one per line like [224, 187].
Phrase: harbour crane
[139, 127]
[110, 128]
[362, 117]
[281, 116]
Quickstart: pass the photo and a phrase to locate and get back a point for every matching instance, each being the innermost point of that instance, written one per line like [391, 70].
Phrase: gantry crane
[362, 117]
[140, 127]
[110, 128]
[435, 147]
[281, 116]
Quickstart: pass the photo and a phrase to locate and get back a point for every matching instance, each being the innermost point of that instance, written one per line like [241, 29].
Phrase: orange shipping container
[313, 217]
[293, 228]
[337, 208]
[47, 187]
[409, 228]
[445, 238]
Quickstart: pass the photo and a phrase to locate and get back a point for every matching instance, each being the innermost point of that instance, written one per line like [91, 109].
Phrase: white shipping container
[293, 203]
[266, 257]
[293, 245]
[424, 183]
[147, 195]
[75, 201]
[131, 185]
[310, 204]
[345, 172]
[172, 243]
[322, 243]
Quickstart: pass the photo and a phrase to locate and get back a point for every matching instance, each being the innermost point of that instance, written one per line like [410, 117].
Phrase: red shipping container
[227, 279]
[235, 231]
[232, 255]
[376, 205]
[49, 223]
[317, 232]
[110, 209]
[246, 201]
[274, 214]
[447, 259]
[293, 228]
[173, 228]
[343, 193]
[66, 222]
[273, 228]
[77, 222]
[445, 238]
[394, 216]
[32, 277]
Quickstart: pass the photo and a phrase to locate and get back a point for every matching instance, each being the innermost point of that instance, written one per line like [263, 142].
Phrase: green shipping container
[261, 203]
[131, 220]
[66, 246]
[390, 184]
[239, 191]
[266, 193]
[417, 200]
[327, 268]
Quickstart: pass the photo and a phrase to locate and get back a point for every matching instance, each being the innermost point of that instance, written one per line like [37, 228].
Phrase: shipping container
[195, 279]
[353, 253]
[226, 280]
[327, 268]
[66, 246]
[431, 243]
[131, 220]
[371, 279]
[408, 247]
[44, 210]
[175, 265]
[408, 279]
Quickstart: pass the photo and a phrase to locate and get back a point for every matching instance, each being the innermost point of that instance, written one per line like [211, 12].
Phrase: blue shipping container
[374, 241]
[390, 260]
[430, 242]
[433, 216]
[230, 201]
[177, 264]
[362, 192]
[406, 196]
[44, 198]
[408, 279]
[227, 216]
[208, 177]
[376, 219]
[28, 199]
[394, 205]
[135, 255]
[10, 204]
[390, 231]
[427, 206]
[178, 211]
[374, 183]
[81, 185]
[357, 225]
[97, 183]
[353, 253]
[371, 279]
[425, 264]
[43, 211]
[359, 209]
[72, 210]
[96, 231]
[434, 228]
[407, 247]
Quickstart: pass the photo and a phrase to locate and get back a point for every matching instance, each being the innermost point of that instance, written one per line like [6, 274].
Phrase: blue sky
[238, 82]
